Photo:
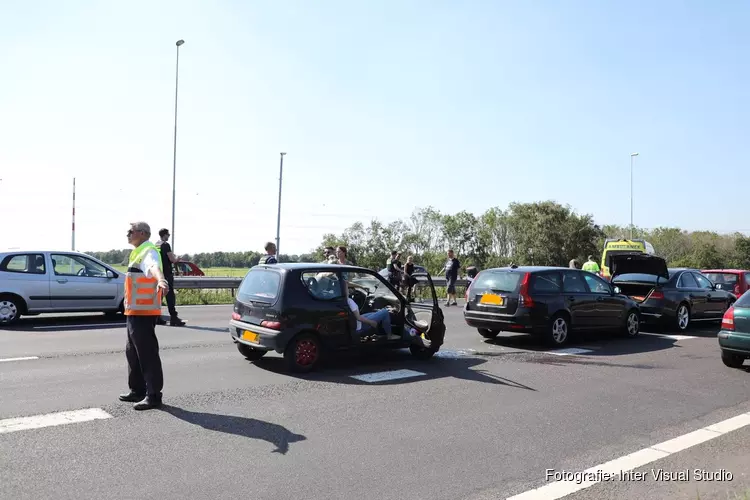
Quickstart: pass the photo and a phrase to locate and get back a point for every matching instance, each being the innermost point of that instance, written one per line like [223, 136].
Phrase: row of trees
[541, 233]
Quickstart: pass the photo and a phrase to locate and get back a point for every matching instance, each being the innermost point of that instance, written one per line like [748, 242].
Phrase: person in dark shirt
[394, 269]
[167, 259]
[452, 265]
[409, 280]
[270, 257]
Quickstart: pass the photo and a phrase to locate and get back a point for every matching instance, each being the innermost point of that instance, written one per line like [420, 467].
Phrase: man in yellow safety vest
[144, 285]
[591, 265]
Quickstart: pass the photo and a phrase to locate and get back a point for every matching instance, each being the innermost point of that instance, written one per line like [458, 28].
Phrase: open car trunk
[636, 275]
[636, 291]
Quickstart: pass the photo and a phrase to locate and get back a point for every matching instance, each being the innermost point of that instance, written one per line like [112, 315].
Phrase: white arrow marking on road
[389, 375]
[614, 469]
[673, 337]
[569, 351]
[52, 419]
[27, 358]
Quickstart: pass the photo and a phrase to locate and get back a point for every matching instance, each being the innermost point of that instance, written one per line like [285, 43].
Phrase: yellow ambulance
[614, 246]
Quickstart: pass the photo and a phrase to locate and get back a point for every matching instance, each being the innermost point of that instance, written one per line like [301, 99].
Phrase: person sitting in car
[369, 323]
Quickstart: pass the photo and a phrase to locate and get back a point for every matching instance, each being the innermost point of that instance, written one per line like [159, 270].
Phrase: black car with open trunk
[547, 301]
[300, 310]
[668, 297]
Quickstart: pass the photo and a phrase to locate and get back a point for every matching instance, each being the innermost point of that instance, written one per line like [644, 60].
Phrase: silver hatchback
[33, 282]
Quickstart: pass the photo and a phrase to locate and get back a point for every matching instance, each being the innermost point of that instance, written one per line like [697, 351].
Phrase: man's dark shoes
[131, 397]
[148, 403]
[176, 322]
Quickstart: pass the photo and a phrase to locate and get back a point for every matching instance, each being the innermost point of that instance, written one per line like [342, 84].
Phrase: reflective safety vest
[142, 294]
[267, 259]
[591, 267]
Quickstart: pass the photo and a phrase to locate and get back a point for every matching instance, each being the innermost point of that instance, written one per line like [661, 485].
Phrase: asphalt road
[482, 420]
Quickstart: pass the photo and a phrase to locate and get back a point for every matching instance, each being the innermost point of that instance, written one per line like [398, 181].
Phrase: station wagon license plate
[250, 336]
[492, 299]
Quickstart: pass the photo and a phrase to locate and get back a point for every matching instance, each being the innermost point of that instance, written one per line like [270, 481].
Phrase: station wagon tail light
[524, 299]
[273, 325]
[727, 322]
[236, 316]
[656, 295]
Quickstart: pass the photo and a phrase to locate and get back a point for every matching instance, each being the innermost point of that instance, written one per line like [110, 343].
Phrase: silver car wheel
[8, 311]
[683, 317]
[559, 330]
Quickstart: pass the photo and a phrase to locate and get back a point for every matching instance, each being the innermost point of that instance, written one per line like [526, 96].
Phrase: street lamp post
[174, 154]
[632, 157]
[278, 213]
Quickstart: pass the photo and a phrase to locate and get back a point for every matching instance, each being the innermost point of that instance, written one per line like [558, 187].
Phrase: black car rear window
[260, 285]
[502, 281]
[546, 283]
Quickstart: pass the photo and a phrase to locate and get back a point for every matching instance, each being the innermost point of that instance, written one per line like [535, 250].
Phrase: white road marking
[673, 337]
[612, 470]
[27, 358]
[389, 375]
[569, 351]
[81, 326]
[52, 419]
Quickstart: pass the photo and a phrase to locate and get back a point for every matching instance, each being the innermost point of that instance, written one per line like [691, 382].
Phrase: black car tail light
[524, 299]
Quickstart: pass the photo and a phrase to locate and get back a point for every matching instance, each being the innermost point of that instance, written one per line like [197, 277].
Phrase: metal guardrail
[228, 283]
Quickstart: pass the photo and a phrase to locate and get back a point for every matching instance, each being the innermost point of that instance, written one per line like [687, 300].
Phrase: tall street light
[174, 154]
[632, 157]
[278, 213]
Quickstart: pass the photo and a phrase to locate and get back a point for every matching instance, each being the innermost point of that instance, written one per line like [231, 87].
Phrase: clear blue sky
[381, 106]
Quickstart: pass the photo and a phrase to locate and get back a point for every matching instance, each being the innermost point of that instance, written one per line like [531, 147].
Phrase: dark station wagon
[547, 301]
[299, 310]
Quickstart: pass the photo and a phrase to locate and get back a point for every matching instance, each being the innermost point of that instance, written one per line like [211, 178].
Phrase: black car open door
[425, 314]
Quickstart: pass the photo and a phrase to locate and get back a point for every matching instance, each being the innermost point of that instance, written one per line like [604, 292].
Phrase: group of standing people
[401, 276]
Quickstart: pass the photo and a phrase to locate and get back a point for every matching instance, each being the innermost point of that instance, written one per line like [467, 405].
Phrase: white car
[33, 282]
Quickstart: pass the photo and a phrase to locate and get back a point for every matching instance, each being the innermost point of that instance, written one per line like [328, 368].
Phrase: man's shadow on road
[276, 434]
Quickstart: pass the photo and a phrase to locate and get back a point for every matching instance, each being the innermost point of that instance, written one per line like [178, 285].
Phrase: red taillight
[236, 316]
[524, 299]
[656, 295]
[727, 322]
[273, 325]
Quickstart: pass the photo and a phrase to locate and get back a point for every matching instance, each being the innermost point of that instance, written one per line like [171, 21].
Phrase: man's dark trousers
[171, 301]
[145, 375]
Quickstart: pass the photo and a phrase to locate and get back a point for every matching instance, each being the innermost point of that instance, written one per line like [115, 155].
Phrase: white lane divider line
[389, 375]
[81, 326]
[569, 351]
[672, 337]
[25, 358]
[52, 419]
[617, 469]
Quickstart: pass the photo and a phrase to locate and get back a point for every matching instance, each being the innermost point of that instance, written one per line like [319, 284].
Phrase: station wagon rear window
[498, 281]
[260, 285]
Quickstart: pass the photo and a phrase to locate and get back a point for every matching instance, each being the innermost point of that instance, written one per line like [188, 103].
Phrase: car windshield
[260, 285]
[502, 281]
[725, 281]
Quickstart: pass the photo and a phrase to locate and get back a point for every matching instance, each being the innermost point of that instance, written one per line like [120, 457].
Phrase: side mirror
[617, 290]
[110, 274]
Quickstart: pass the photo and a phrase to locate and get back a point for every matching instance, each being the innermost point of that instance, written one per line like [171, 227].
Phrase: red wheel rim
[306, 352]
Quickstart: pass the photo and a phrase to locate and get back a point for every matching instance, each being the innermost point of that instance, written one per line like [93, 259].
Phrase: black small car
[547, 301]
[669, 297]
[299, 310]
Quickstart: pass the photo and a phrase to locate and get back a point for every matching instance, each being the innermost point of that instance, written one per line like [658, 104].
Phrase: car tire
[487, 333]
[10, 310]
[303, 353]
[732, 360]
[422, 353]
[682, 317]
[558, 331]
[250, 353]
[632, 325]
